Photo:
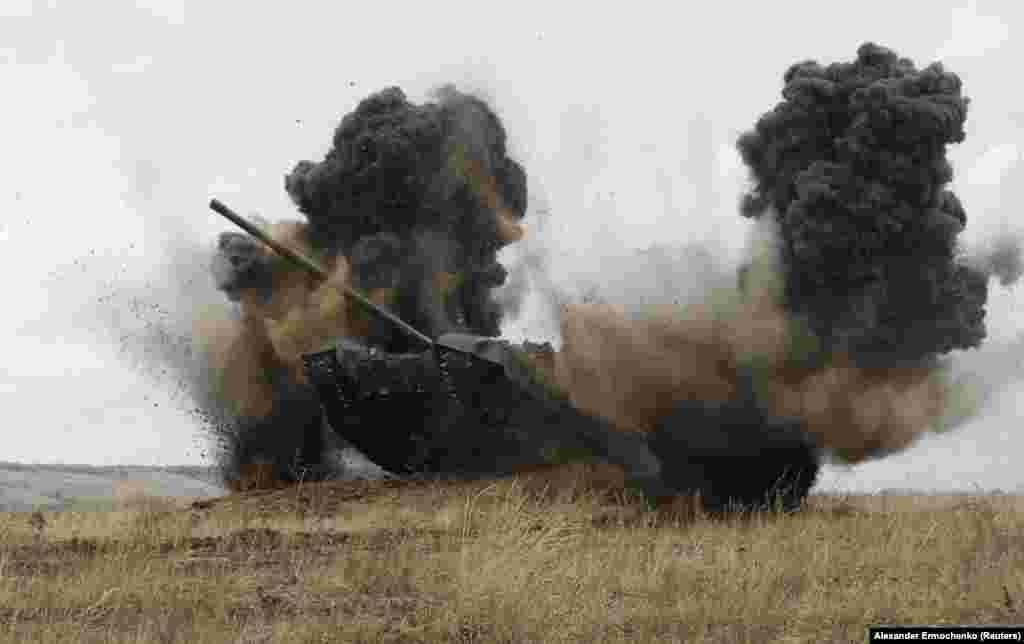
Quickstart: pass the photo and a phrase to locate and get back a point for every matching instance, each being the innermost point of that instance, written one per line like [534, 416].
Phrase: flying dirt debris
[385, 331]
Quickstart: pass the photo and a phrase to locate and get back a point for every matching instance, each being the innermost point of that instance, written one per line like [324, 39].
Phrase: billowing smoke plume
[852, 164]
[418, 196]
[410, 205]
[853, 290]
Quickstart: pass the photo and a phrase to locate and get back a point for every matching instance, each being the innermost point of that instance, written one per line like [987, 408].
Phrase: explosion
[852, 165]
[829, 339]
[842, 322]
[410, 206]
[255, 400]
[419, 199]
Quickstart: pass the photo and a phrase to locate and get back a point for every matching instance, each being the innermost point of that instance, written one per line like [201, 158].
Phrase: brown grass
[549, 557]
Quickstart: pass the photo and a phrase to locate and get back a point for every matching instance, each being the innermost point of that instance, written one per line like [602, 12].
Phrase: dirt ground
[557, 554]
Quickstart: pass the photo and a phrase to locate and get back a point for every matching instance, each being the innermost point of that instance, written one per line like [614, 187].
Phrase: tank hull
[467, 408]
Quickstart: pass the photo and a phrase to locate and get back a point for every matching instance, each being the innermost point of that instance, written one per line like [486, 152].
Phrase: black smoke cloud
[852, 164]
[411, 191]
[418, 199]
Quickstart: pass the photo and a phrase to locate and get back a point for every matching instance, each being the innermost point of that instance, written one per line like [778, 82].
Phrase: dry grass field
[559, 556]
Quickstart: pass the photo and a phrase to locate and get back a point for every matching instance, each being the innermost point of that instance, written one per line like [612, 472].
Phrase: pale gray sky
[122, 120]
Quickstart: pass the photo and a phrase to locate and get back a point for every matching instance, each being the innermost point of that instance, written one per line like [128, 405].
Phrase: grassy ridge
[69, 487]
[506, 561]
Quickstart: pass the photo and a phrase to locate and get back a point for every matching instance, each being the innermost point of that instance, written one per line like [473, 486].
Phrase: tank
[464, 405]
[470, 406]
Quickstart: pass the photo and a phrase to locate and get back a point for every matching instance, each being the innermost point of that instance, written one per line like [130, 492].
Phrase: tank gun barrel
[312, 267]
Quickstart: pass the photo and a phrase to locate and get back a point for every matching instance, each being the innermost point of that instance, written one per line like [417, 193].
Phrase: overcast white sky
[121, 120]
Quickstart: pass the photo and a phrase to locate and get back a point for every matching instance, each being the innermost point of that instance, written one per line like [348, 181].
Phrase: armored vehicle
[470, 406]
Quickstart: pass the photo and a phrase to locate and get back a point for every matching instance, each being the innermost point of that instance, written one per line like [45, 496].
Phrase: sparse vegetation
[561, 555]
